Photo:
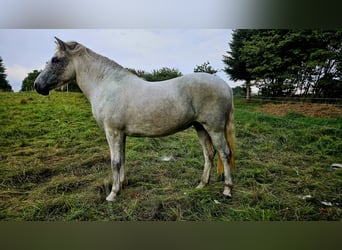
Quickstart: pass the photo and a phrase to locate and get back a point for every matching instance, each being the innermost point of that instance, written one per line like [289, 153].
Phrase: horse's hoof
[201, 185]
[227, 194]
[228, 197]
[111, 197]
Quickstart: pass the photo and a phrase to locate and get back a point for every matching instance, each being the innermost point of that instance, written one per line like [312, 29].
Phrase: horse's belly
[158, 115]
[156, 129]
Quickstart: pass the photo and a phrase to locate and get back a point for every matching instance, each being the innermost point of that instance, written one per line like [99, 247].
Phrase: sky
[24, 50]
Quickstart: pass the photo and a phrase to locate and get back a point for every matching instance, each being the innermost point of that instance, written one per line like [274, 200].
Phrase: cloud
[16, 74]
[143, 49]
[151, 49]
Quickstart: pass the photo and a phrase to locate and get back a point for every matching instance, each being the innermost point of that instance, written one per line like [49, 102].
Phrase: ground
[307, 109]
[55, 166]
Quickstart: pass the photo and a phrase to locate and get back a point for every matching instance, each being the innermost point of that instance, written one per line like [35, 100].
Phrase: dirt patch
[307, 109]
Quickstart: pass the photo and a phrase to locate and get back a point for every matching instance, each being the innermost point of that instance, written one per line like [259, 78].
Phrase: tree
[4, 85]
[162, 74]
[237, 64]
[239, 91]
[288, 62]
[205, 67]
[140, 73]
[327, 58]
[28, 82]
[264, 63]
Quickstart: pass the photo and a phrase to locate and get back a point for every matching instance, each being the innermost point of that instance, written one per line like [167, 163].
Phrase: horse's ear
[61, 44]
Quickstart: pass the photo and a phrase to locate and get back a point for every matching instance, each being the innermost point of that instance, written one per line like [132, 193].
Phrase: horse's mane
[81, 50]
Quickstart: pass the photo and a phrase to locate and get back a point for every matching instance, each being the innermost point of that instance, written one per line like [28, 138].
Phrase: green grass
[55, 165]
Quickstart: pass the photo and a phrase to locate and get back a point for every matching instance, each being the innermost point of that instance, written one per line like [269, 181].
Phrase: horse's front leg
[116, 141]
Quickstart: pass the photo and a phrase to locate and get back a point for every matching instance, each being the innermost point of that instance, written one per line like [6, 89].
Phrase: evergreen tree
[288, 62]
[4, 85]
[265, 63]
[236, 63]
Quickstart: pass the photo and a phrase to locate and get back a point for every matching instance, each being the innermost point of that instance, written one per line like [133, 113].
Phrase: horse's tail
[230, 138]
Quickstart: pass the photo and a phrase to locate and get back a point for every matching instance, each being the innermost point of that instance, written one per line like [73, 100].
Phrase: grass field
[55, 165]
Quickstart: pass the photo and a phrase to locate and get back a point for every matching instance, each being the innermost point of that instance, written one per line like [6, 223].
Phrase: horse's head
[59, 70]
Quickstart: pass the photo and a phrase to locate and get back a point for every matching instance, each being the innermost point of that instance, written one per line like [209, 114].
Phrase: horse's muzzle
[40, 90]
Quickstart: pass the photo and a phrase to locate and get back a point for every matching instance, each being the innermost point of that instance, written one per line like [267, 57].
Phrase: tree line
[287, 62]
[162, 74]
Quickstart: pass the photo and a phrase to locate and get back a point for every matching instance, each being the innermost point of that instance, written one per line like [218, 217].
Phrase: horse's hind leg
[123, 179]
[220, 143]
[208, 152]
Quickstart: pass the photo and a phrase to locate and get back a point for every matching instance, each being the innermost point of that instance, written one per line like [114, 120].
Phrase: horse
[124, 104]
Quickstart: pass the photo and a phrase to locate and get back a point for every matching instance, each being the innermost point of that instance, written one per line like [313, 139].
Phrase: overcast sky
[24, 50]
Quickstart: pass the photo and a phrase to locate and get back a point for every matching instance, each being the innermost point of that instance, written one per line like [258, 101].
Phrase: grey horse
[126, 105]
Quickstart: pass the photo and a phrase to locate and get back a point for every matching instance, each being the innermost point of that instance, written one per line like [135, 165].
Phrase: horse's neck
[93, 70]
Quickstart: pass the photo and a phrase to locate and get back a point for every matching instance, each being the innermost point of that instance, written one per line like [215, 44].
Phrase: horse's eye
[55, 60]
